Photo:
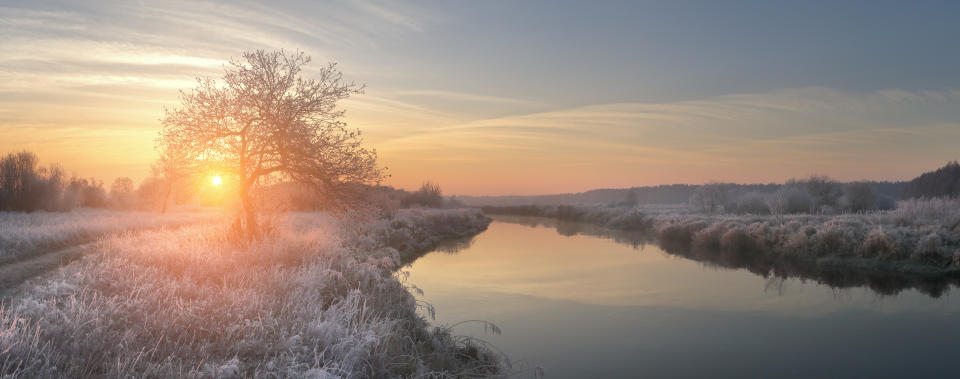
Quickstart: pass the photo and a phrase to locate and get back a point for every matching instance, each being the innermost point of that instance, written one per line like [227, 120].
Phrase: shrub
[680, 233]
[632, 220]
[835, 239]
[930, 250]
[429, 196]
[709, 237]
[879, 244]
[738, 239]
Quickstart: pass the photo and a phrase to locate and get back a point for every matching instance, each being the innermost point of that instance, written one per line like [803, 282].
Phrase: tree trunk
[166, 198]
[249, 214]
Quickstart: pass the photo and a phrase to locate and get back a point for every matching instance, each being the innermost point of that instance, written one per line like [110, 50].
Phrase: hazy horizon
[517, 98]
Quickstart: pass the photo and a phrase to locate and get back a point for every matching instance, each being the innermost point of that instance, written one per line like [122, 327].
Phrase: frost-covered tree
[121, 193]
[860, 197]
[752, 203]
[824, 191]
[789, 199]
[710, 197]
[264, 119]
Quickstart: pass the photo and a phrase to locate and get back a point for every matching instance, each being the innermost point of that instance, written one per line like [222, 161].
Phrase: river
[581, 304]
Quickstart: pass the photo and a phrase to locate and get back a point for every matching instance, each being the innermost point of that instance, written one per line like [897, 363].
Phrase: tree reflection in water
[886, 283]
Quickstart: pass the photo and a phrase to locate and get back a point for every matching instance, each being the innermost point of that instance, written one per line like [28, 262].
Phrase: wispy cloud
[469, 97]
[744, 137]
[92, 76]
[77, 78]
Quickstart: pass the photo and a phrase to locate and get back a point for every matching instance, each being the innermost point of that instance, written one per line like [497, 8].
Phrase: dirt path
[15, 274]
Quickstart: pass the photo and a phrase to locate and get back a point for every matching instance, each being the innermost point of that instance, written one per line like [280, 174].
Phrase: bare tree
[429, 195]
[709, 197]
[824, 191]
[173, 168]
[265, 120]
[777, 204]
[860, 196]
[121, 193]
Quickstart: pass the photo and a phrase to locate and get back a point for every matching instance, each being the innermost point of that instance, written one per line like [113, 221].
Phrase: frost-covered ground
[25, 234]
[316, 298]
[919, 236]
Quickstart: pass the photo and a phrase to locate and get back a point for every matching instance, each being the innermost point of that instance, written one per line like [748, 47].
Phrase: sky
[517, 97]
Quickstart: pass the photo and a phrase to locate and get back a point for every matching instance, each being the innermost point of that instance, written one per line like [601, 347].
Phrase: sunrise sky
[517, 97]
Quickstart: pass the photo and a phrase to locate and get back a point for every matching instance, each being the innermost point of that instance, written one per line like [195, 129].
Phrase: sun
[216, 181]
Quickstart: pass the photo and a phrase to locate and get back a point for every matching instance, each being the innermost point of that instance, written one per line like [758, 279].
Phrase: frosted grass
[317, 298]
[24, 234]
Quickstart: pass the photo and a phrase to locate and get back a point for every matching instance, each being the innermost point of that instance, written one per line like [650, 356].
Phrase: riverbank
[919, 237]
[318, 297]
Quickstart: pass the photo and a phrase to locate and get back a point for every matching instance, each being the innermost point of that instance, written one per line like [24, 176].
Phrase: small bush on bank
[880, 245]
[930, 249]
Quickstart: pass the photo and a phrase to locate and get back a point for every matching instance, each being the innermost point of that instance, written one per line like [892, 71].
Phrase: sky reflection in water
[583, 306]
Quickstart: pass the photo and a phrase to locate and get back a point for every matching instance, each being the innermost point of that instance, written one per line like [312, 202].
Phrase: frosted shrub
[737, 239]
[835, 239]
[881, 245]
[679, 232]
[763, 235]
[629, 220]
[930, 249]
[710, 236]
[798, 244]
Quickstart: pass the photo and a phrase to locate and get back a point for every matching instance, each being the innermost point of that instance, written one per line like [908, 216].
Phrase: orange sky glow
[92, 104]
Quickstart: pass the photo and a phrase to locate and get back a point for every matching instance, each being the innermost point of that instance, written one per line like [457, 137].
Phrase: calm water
[581, 305]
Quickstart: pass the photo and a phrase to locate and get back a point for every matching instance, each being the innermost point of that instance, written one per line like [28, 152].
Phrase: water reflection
[776, 270]
[582, 306]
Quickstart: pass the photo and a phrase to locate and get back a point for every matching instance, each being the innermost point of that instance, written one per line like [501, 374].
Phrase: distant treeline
[814, 194]
[663, 194]
[943, 182]
[25, 186]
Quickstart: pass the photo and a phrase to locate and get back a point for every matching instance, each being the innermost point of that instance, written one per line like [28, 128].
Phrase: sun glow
[216, 181]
